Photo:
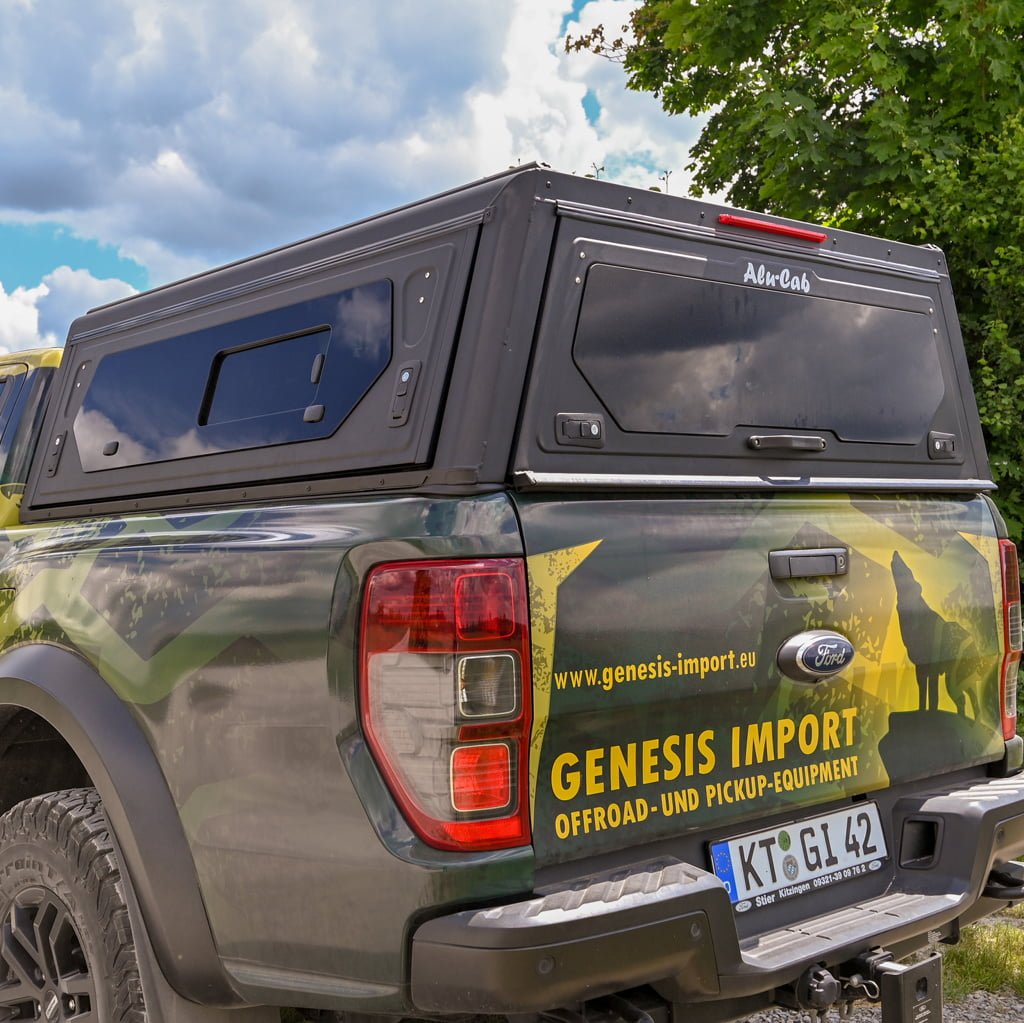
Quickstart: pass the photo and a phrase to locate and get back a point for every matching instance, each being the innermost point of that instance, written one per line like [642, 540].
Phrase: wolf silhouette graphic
[937, 648]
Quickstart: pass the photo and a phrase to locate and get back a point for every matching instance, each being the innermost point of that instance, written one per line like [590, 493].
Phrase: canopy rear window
[669, 354]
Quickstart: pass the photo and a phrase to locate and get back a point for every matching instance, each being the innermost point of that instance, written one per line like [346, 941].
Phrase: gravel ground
[980, 1007]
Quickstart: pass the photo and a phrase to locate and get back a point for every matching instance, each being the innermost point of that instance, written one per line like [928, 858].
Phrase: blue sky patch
[591, 107]
[573, 15]
[618, 164]
[30, 251]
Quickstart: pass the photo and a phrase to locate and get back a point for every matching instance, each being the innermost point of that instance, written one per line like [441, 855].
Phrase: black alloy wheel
[66, 949]
[46, 972]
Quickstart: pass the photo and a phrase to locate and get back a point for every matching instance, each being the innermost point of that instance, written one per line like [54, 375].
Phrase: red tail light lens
[481, 777]
[484, 606]
[1011, 637]
[445, 697]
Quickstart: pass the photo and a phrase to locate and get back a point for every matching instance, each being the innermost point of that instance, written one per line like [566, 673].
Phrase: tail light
[1011, 637]
[445, 697]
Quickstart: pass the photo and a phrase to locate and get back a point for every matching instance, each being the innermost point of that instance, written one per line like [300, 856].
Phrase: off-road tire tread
[73, 822]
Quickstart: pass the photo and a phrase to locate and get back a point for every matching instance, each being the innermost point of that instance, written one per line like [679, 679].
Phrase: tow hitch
[1005, 882]
[907, 993]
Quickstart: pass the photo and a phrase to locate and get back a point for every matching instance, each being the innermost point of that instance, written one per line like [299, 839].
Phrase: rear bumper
[670, 924]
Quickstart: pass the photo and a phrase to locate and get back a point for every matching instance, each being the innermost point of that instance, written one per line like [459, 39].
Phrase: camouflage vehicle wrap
[542, 600]
[677, 716]
[238, 618]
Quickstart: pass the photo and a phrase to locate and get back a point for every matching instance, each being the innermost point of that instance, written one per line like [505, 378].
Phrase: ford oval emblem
[813, 656]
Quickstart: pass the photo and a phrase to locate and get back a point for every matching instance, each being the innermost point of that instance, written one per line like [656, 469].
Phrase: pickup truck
[546, 600]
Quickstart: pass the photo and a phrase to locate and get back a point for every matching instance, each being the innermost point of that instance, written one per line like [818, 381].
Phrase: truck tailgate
[660, 705]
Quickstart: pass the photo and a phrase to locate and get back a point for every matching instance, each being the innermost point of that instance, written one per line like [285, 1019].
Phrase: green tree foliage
[974, 208]
[897, 117]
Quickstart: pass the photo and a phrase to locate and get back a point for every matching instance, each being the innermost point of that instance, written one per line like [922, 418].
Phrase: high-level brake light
[803, 233]
[445, 697]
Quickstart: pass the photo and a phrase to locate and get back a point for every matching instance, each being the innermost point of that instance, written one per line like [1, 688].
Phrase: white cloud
[69, 293]
[19, 319]
[191, 133]
[39, 317]
[198, 132]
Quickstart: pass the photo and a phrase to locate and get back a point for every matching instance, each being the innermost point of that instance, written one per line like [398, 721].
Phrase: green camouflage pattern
[230, 636]
[660, 708]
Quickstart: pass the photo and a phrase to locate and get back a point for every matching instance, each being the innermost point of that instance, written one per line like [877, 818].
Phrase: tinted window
[243, 384]
[10, 390]
[280, 376]
[6, 390]
[24, 405]
[680, 355]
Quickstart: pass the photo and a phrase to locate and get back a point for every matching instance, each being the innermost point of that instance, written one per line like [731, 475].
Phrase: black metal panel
[582, 329]
[354, 432]
[507, 259]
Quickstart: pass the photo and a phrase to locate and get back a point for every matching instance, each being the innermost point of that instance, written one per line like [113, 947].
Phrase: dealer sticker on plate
[780, 863]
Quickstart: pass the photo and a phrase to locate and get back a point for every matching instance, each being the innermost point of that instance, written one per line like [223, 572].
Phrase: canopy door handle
[786, 441]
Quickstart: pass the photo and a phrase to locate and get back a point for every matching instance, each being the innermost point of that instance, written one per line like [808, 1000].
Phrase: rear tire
[66, 947]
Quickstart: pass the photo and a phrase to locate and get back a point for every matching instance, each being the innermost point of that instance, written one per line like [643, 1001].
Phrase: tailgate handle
[786, 441]
[808, 564]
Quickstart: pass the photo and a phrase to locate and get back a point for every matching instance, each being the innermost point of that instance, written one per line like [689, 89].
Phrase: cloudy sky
[143, 140]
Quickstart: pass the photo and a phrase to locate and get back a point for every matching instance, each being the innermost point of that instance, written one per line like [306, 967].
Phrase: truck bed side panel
[229, 636]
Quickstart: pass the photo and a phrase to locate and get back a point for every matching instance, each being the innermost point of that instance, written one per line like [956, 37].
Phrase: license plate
[780, 863]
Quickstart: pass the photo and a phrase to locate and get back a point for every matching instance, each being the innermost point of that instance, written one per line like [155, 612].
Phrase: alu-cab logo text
[784, 280]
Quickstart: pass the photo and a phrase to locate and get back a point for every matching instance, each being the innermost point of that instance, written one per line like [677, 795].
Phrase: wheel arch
[68, 693]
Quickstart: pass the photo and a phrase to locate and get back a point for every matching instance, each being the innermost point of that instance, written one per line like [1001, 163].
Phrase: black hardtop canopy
[463, 342]
[514, 191]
